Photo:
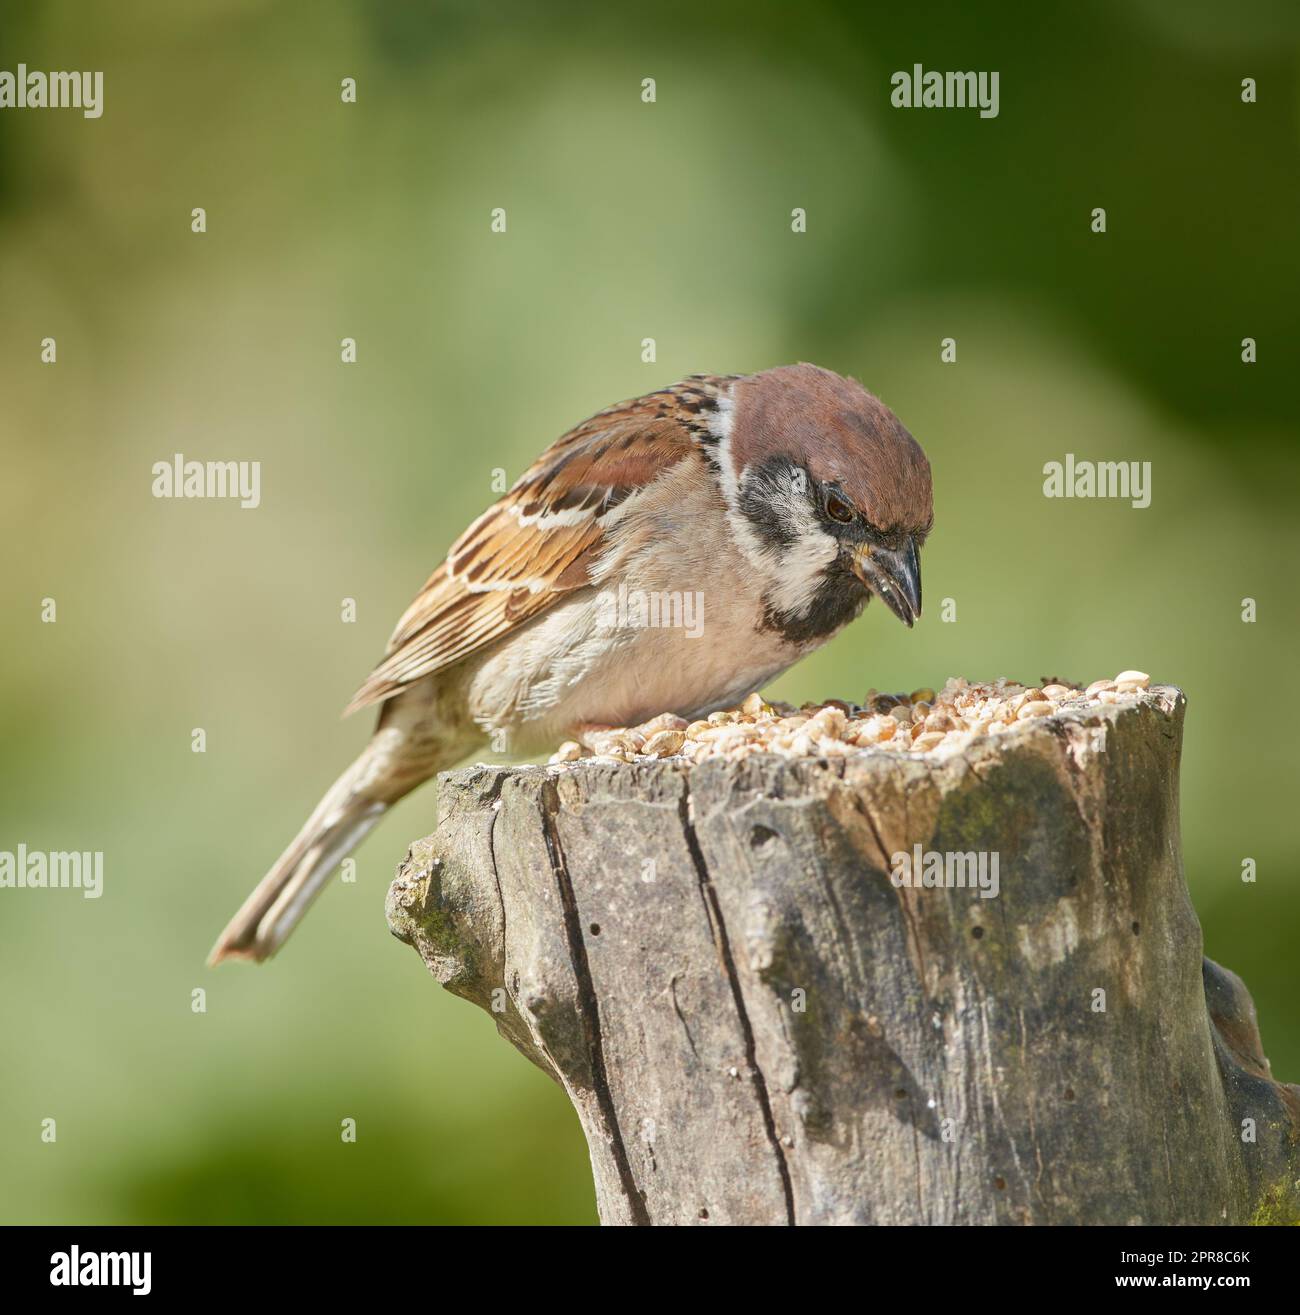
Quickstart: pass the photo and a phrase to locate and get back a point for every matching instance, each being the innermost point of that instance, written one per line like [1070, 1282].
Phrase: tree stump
[757, 1024]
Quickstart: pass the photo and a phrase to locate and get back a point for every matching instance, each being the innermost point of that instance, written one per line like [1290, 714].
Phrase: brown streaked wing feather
[508, 566]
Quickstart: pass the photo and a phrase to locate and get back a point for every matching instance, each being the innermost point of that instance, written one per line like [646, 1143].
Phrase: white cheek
[802, 567]
[791, 575]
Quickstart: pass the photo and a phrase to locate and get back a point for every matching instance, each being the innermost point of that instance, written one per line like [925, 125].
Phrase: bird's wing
[541, 539]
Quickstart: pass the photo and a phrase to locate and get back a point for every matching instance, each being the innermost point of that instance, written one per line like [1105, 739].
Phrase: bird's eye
[839, 508]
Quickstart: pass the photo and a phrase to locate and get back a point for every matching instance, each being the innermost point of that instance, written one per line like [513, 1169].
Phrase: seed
[569, 751]
[614, 742]
[754, 705]
[696, 727]
[1138, 678]
[1098, 686]
[1058, 691]
[721, 718]
[829, 721]
[665, 721]
[664, 744]
[900, 713]
[930, 740]
[1109, 696]
[1037, 708]
[923, 695]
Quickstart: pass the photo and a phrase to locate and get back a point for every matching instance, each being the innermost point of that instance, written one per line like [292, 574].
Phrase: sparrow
[782, 500]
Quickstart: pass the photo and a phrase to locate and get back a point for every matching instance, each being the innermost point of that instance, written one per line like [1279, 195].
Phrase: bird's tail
[353, 805]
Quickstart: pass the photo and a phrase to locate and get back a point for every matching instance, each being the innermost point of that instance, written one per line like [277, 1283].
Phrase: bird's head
[829, 498]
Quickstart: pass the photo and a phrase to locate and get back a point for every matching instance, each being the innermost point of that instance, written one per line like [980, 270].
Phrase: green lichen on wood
[445, 935]
[1279, 1206]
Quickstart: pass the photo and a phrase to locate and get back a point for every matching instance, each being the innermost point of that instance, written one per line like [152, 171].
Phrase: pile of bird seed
[919, 722]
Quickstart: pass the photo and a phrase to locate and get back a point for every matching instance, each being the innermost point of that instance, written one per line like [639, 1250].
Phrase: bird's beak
[893, 576]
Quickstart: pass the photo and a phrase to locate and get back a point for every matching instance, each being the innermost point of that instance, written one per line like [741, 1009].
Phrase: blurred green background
[626, 220]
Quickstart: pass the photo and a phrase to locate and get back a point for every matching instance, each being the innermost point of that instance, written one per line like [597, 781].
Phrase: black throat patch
[839, 599]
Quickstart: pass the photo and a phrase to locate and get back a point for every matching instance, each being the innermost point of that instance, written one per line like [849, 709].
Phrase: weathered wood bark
[757, 1025]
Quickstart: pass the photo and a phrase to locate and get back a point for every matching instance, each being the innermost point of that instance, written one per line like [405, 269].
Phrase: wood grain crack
[714, 911]
[587, 1005]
